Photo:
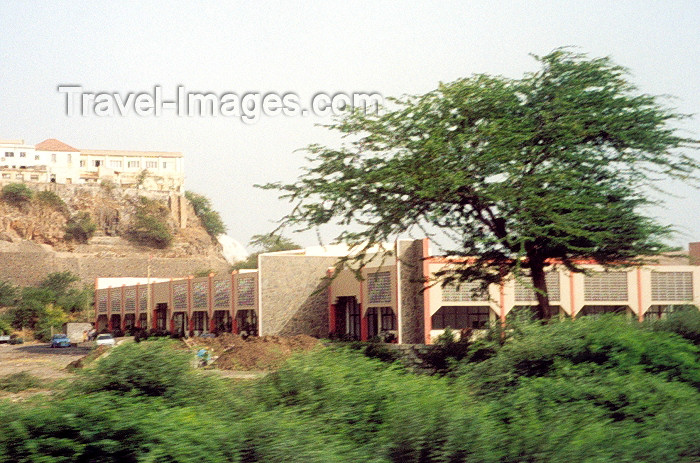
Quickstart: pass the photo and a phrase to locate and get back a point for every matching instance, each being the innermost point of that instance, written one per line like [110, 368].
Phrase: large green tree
[553, 166]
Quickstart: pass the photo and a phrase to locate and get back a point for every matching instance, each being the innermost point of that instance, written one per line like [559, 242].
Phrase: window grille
[102, 302]
[222, 293]
[143, 299]
[180, 296]
[116, 300]
[464, 292]
[130, 300]
[379, 286]
[605, 286]
[246, 291]
[671, 286]
[525, 292]
[199, 294]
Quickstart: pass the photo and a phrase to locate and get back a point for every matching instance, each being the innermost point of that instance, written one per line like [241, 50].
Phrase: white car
[104, 340]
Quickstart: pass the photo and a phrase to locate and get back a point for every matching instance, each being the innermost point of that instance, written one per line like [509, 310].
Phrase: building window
[23, 154]
[605, 286]
[379, 285]
[246, 291]
[466, 291]
[151, 164]
[19, 176]
[36, 157]
[165, 165]
[96, 163]
[525, 292]
[6, 176]
[34, 177]
[388, 319]
[200, 321]
[82, 163]
[460, 317]
[70, 157]
[53, 157]
[671, 286]
[133, 164]
[9, 154]
[115, 164]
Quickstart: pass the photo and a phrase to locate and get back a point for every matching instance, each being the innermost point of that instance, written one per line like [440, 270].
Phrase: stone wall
[29, 268]
[294, 297]
[411, 267]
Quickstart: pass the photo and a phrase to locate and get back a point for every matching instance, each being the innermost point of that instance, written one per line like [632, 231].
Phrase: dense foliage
[592, 390]
[80, 227]
[57, 299]
[211, 220]
[52, 200]
[17, 194]
[150, 225]
[554, 165]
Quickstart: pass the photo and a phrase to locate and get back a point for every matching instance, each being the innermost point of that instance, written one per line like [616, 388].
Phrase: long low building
[391, 297]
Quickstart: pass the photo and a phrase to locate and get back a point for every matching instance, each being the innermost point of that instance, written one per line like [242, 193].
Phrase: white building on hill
[56, 162]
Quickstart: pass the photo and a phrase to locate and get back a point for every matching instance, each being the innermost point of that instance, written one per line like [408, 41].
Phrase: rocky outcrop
[33, 241]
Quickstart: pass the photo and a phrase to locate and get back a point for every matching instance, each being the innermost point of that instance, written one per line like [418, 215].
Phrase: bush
[80, 227]
[17, 193]
[211, 220]
[51, 199]
[150, 226]
[148, 368]
[685, 323]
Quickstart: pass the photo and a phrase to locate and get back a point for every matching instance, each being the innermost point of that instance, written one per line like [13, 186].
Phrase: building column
[427, 320]
[122, 315]
[210, 302]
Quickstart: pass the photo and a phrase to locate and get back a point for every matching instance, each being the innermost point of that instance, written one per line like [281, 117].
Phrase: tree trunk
[540, 283]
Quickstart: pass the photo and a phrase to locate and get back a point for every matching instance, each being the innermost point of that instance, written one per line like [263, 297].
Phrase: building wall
[293, 296]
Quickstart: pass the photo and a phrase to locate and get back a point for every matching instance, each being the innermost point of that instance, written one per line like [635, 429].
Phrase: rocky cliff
[33, 238]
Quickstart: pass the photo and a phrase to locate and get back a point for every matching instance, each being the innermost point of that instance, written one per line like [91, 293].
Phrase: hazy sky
[387, 47]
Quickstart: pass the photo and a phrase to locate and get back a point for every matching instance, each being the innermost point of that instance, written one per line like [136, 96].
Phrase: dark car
[60, 340]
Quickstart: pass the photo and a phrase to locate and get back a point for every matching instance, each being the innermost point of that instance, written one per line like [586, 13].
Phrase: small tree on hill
[519, 172]
[211, 219]
[17, 193]
[265, 243]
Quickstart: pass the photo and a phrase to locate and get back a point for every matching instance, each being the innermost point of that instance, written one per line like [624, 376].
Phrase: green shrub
[211, 219]
[685, 323]
[80, 227]
[150, 227]
[8, 294]
[153, 368]
[150, 230]
[17, 382]
[17, 193]
[51, 199]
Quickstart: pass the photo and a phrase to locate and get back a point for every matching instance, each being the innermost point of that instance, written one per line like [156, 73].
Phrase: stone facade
[411, 280]
[293, 295]
[29, 268]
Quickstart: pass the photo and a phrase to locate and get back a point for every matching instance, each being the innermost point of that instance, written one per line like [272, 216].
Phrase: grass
[18, 382]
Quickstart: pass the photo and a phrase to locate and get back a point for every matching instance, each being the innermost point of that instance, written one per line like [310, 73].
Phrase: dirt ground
[231, 352]
[39, 360]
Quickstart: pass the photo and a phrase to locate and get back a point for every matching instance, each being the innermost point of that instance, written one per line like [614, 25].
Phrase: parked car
[104, 340]
[4, 338]
[60, 340]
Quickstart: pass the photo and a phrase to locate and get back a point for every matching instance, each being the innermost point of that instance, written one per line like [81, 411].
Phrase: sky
[392, 48]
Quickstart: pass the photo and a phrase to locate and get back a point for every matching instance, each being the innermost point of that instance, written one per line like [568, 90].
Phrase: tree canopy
[553, 166]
